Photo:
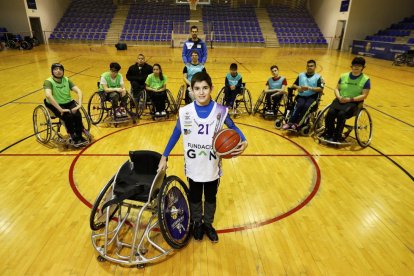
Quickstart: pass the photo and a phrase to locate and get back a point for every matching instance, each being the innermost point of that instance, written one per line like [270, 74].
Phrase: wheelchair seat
[144, 202]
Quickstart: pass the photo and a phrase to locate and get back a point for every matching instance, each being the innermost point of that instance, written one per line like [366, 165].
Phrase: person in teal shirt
[59, 101]
[352, 89]
[233, 85]
[112, 83]
[156, 86]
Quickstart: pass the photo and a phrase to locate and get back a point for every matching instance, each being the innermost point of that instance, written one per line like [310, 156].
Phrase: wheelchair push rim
[95, 108]
[42, 124]
[363, 128]
[174, 212]
[97, 218]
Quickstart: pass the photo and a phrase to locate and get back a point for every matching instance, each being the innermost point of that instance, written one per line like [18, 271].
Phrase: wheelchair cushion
[134, 186]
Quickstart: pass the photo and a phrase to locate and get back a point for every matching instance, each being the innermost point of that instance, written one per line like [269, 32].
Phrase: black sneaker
[198, 231]
[211, 232]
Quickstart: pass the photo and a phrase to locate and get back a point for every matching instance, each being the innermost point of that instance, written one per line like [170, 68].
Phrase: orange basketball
[225, 141]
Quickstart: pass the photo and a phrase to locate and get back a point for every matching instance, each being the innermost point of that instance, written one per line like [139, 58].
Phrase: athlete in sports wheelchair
[134, 207]
[60, 109]
[112, 99]
[350, 93]
[242, 103]
[287, 108]
[272, 97]
[148, 108]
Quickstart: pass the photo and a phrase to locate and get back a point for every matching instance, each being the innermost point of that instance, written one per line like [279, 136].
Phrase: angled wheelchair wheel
[141, 103]
[220, 97]
[86, 120]
[247, 100]
[259, 103]
[180, 97]
[97, 219]
[172, 106]
[131, 107]
[174, 212]
[319, 125]
[95, 108]
[42, 124]
[363, 128]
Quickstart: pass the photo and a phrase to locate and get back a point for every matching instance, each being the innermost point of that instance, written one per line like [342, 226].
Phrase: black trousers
[196, 195]
[230, 96]
[136, 88]
[338, 112]
[158, 99]
[73, 122]
[272, 101]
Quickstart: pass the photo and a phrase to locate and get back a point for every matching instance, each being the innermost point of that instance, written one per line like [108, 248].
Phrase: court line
[37, 90]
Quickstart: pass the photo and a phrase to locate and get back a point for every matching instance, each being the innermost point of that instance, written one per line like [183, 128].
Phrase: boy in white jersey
[198, 122]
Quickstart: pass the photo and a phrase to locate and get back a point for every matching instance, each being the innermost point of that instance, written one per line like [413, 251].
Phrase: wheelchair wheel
[131, 107]
[97, 219]
[363, 128]
[142, 103]
[26, 45]
[180, 97]
[220, 97]
[171, 106]
[247, 100]
[95, 108]
[11, 44]
[319, 125]
[42, 124]
[259, 103]
[174, 212]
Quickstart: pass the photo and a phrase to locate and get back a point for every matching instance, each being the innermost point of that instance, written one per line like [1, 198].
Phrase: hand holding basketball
[227, 143]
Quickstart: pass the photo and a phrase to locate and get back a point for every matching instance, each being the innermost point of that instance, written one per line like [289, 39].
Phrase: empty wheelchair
[404, 58]
[261, 106]
[134, 207]
[180, 100]
[305, 126]
[145, 104]
[100, 109]
[362, 125]
[242, 104]
[48, 127]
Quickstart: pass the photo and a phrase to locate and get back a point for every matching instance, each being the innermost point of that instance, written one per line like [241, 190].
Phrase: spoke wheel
[42, 124]
[95, 108]
[363, 128]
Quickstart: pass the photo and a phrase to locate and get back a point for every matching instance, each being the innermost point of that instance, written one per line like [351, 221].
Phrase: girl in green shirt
[156, 86]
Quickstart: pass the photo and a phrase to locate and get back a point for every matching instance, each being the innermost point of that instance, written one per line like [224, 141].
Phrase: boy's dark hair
[358, 61]
[114, 66]
[233, 66]
[311, 61]
[201, 76]
[194, 51]
[274, 66]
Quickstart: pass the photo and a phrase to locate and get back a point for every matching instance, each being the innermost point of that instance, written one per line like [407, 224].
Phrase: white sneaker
[163, 113]
[123, 112]
[118, 113]
[157, 113]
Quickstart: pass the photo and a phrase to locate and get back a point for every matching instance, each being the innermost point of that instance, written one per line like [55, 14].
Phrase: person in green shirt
[156, 86]
[59, 101]
[352, 89]
[113, 85]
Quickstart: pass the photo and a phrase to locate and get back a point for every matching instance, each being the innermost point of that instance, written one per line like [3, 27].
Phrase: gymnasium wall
[14, 15]
[49, 12]
[364, 17]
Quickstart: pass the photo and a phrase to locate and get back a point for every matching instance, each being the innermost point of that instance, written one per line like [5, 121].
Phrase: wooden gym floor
[288, 206]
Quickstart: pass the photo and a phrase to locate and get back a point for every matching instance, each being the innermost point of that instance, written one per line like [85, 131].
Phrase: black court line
[37, 61]
[37, 90]
[376, 109]
[15, 143]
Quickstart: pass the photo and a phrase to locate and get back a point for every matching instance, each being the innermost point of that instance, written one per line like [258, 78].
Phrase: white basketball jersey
[201, 163]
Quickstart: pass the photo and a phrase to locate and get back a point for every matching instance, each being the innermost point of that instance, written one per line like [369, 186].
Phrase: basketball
[225, 141]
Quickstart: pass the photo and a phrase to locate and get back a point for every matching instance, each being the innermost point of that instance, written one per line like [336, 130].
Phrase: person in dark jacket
[137, 75]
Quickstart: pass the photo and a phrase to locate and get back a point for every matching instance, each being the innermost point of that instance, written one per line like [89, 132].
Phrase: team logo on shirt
[187, 131]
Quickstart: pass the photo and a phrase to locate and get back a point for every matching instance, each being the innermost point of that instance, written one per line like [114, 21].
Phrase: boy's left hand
[239, 149]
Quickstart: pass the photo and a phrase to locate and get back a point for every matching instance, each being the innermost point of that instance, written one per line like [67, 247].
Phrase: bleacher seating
[232, 25]
[85, 20]
[295, 27]
[400, 31]
[148, 21]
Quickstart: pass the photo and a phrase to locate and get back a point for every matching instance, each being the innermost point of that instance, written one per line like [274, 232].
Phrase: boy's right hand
[162, 166]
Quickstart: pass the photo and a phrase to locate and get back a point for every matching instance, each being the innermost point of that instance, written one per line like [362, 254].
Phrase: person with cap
[59, 101]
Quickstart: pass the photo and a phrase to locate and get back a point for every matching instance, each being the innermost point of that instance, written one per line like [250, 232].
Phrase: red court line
[176, 155]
